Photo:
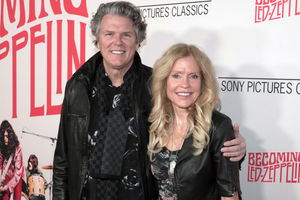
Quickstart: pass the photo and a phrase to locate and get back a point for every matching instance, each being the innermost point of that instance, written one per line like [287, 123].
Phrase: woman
[187, 132]
[15, 172]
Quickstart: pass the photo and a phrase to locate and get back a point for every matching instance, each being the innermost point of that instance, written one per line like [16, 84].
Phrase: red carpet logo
[274, 167]
[266, 10]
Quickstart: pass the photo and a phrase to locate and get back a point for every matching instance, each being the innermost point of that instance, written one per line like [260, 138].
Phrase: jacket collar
[88, 69]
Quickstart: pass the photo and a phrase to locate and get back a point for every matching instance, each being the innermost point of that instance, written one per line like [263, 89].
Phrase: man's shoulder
[146, 70]
[88, 68]
[87, 71]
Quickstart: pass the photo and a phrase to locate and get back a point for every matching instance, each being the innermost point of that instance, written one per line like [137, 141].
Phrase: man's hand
[3, 188]
[236, 148]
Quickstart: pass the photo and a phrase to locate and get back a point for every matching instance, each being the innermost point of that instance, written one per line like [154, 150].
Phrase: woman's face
[184, 83]
[5, 138]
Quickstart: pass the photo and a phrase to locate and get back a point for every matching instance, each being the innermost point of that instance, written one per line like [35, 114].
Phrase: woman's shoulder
[219, 118]
[221, 126]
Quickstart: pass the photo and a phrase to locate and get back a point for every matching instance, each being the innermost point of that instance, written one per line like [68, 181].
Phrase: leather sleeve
[60, 164]
[227, 172]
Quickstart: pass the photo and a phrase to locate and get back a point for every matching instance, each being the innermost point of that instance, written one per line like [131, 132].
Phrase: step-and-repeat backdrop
[254, 45]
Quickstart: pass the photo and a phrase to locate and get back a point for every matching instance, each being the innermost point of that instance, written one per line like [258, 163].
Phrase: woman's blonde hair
[162, 114]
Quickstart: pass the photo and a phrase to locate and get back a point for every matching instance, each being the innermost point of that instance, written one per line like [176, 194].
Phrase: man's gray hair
[121, 8]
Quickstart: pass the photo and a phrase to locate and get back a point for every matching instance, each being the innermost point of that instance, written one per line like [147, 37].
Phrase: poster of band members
[254, 46]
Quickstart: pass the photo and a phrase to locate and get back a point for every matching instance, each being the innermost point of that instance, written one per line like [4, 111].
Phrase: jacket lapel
[187, 150]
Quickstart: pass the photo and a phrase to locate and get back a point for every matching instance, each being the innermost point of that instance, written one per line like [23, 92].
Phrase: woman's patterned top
[165, 179]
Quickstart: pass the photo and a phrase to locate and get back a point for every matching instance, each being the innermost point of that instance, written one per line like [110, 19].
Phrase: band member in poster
[32, 167]
[11, 163]
[35, 178]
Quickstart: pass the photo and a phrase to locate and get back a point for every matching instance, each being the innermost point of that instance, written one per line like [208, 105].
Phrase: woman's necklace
[173, 157]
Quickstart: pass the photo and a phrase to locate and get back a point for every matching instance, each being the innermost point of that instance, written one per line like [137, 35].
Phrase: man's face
[6, 138]
[117, 42]
[30, 166]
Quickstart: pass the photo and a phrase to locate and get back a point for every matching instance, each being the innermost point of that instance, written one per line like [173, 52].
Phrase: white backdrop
[254, 45]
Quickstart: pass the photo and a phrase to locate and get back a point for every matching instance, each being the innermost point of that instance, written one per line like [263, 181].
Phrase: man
[12, 170]
[35, 179]
[103, 134]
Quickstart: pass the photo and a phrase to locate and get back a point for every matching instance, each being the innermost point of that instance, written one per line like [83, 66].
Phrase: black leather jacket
[209, 175]
[71, 153]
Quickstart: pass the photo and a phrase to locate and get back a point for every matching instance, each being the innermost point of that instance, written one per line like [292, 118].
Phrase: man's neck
[116, 76]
